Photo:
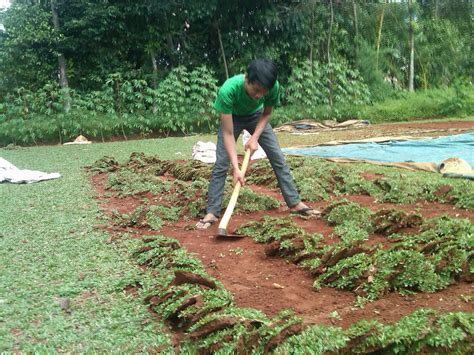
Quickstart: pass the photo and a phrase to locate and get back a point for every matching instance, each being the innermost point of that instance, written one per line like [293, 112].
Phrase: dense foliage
[123, 67]
[182, 102]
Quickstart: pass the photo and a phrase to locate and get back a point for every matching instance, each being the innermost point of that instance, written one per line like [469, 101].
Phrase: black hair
[262, 72]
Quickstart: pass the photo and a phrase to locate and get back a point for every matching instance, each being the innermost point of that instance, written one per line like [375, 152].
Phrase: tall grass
[428, 104]
[401, 106]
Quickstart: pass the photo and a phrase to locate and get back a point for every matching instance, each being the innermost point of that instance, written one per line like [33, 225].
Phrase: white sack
[205, 152]
[259, 153]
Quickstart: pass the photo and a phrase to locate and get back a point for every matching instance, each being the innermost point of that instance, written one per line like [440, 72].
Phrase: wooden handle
[235, 194]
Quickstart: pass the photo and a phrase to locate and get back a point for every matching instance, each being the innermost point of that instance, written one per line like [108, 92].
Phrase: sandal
[306, 211]
[202, 224]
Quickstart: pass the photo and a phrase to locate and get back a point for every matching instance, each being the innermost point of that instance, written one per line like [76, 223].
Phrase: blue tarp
[425, 150]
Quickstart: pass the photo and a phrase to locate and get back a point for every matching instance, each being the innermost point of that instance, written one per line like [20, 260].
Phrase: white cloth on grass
[10, 173]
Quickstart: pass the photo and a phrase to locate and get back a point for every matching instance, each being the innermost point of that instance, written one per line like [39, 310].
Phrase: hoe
[222, 229]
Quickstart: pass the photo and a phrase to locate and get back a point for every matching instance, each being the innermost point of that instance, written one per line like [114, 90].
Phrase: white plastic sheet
[10, 173]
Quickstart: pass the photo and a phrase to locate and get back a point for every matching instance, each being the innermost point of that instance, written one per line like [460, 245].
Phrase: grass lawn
[49, 249]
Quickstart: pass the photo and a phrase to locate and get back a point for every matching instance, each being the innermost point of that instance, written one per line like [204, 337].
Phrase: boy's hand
[237, 175]
[252, 144]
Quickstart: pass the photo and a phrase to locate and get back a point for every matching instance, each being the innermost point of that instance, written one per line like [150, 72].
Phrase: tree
[411, 34]
[442, 53]
[61, 61]
[221, 45]
[26, 59]
[331, 22]
[379, 37]
[355, 22]
[85, 41]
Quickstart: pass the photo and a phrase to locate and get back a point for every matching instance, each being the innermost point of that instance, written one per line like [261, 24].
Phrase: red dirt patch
[449, 127]
[270, 284]
[367, 175]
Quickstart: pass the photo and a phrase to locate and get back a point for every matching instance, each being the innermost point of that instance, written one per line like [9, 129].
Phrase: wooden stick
[235, 194]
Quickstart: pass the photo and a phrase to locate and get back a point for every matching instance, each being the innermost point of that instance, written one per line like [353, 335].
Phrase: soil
[270, 284]
[415, 129]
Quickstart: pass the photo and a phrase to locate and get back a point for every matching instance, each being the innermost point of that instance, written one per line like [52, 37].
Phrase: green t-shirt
[233, 99]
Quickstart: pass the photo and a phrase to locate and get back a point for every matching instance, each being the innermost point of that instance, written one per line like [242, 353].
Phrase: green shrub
[326, 86]
[182, 103]
[434, 103]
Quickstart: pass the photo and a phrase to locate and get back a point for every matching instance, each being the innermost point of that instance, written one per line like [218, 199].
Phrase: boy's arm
[252, 143]
[229, 144]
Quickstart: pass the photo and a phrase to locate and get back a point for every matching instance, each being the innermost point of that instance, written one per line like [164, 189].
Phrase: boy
[246, 102]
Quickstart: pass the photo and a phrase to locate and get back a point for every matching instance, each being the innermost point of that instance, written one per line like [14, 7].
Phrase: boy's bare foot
[303, 210]
[208, 220]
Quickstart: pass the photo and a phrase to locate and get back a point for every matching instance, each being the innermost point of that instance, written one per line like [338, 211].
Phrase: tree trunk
[172, 49]
[379, 38]
[330, 31]
[61, 63]
[221, 45]
[154, 79]
[424, 75]
[118, 103]
[329, 55]
[311, 43]
[411, 74]
[355, 22]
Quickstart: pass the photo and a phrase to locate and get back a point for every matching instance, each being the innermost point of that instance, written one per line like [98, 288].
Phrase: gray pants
[269, 144]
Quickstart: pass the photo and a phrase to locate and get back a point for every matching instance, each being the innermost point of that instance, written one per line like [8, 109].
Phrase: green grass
[50, 249]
